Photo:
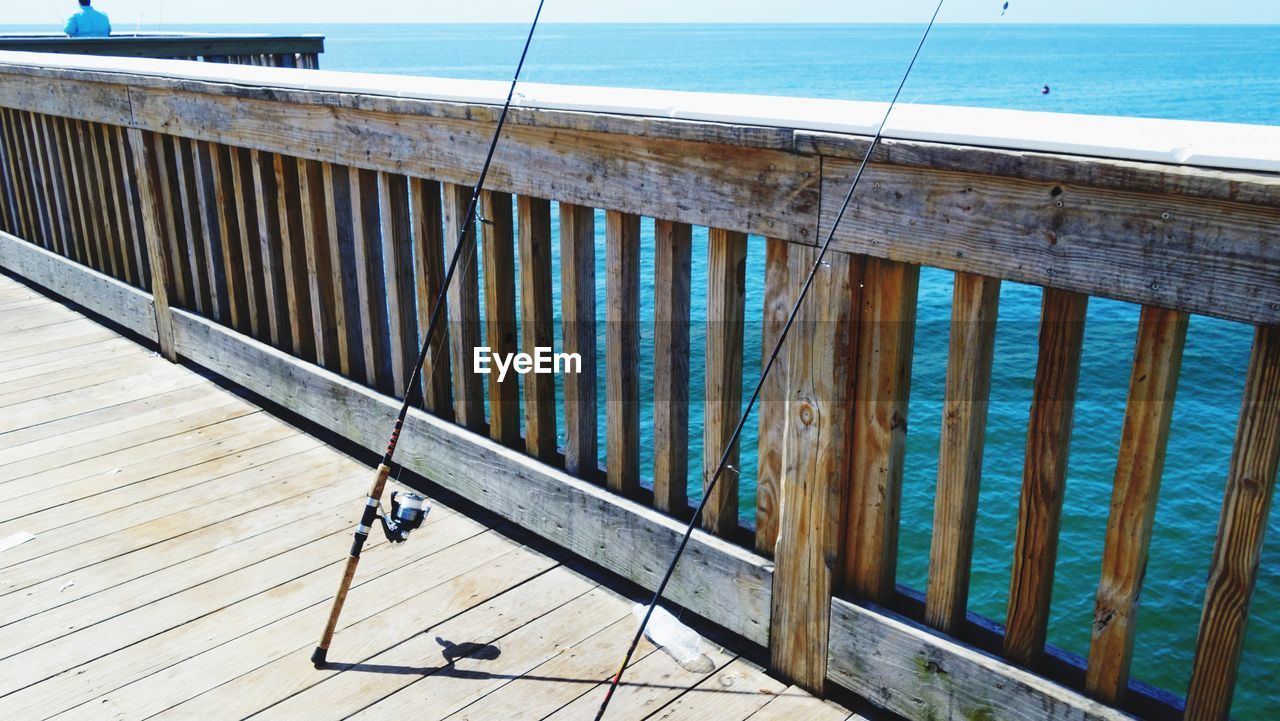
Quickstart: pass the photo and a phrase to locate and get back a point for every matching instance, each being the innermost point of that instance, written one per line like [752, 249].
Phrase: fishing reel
[408, 510]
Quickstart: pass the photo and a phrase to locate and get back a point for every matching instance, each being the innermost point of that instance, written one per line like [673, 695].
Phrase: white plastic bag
[680, 642]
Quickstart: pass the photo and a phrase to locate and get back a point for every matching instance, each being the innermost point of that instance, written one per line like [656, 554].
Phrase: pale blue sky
[128, 13]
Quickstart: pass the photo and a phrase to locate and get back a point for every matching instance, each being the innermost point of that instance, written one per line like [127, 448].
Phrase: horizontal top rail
[1177, 236]
[1230, 146]
[164, 45]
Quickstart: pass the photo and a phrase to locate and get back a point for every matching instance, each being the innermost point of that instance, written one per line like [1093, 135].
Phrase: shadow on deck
[184, 544]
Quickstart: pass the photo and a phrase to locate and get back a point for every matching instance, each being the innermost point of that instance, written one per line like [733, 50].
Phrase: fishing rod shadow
[452, 652]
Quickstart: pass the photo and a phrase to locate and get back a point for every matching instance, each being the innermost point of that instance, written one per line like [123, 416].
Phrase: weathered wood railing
[292, 239]
[278, 51]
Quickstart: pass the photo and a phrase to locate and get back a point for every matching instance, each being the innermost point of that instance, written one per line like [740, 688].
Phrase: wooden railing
[292, 240]
[297, 51]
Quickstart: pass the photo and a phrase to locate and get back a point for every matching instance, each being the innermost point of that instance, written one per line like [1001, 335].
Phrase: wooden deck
[186, 543]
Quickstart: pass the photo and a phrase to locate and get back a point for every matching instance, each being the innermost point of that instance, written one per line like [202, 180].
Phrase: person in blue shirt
[88, 23]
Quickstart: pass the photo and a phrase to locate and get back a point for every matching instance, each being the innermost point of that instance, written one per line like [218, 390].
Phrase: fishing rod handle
[370, 513]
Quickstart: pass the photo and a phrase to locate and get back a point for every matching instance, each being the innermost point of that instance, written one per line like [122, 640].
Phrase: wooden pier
[286, 230]
[186, 543]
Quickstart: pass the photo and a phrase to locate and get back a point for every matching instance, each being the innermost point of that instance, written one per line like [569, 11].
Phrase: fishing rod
[773, 356]
[409, 510]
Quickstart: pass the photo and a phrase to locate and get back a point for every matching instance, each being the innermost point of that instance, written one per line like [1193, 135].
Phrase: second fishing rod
[408, 511]
[726, 454]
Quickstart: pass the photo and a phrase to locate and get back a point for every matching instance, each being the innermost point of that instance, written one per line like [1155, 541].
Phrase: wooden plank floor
[185, 544]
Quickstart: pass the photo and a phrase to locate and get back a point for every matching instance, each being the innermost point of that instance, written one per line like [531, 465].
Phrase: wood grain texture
[726, 290]
[498, 241]
[153, 227]
[397, 270]
[1157, 361]
[1173, 251]
[1044, 474]
[1246, 503]
[883, 346]
[918, 674]
[188, 211]
[268, 245]
[773, 394]
[128, 306]
[974, 308]
[293, 256]
[224, 212]
[428, 250]
[814, 479]
[320, 272]
[464, 309]
[127, 187]
[718, 579]
[622, 351]
[537, 325]
[762, 191]
[673, 259]
[335, 181]
[373, 331]
[578, 316]
[210, 230]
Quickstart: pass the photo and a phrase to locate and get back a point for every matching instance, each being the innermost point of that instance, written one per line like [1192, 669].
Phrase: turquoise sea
[1222, 73]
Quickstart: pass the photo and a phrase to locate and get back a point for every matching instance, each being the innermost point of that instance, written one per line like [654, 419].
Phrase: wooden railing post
[1251, 484]
[814, 466]
[145, 169]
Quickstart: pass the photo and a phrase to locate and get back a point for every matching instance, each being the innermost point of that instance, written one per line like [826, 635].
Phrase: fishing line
[773, 356]
[409, 516]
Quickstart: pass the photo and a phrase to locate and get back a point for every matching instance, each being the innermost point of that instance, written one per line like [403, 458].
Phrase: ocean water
[1221, 73]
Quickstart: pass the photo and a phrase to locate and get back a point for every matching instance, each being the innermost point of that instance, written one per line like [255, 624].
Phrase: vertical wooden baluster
[167, 196]
[189, 217]
[232, 260]
[882, 387]
[53, 204]
[95, 244]
[428, 249]
[32, 175]
[371, 286]
[7, 213]
[622, 352]
[66, 185]
[1045, 473]
[246, 223]
[500, 314]
[773, 395]
[397, 269]
[365, 285]
[320, 274]
[814, 466]
[338, 219]
[293, 255]
[210, 229]
[270, 244]
[68, 175]
[83, 227]
[35, 158]
[975, 304]
[18, 174]
[578, 314]
[464, 310]
[8, 181]
[537, 326]
[96, 179]
[146, 171]
[116, 207]
[726, 286]
[1157, 360]
[132, 206]
[1246, 504]
[673, 260]
[58, 183]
